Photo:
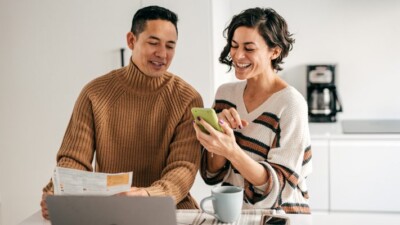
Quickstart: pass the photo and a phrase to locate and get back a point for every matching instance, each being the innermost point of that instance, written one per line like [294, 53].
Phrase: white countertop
[334, 131]
[196, 217]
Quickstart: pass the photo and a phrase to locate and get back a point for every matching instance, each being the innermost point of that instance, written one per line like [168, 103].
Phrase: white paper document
[78, 182]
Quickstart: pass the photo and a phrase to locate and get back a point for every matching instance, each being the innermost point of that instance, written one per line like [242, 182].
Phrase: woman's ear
[276, 52]
[130, 40]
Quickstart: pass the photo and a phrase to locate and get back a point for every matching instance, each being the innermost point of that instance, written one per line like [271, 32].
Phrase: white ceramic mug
[227, 202]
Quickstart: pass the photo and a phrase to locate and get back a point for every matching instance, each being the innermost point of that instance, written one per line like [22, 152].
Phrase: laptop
[111, 210]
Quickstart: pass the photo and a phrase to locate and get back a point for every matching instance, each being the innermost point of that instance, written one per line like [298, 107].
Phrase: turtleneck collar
[139, 82]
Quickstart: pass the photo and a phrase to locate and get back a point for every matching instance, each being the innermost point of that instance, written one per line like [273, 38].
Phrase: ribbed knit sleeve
[184, 157]
[79, 143]
[288, 151]
[78, 146]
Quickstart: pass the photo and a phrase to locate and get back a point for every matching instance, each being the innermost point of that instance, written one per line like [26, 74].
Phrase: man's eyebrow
[154, 37]
[158, 39]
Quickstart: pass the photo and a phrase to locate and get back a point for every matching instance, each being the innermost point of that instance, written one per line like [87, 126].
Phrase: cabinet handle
[122, 56]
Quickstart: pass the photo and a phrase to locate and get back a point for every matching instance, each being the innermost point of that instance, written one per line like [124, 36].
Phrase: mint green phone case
[209, 116]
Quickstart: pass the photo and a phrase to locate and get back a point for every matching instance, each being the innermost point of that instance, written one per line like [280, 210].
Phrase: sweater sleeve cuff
[49, 187]
[211, 175]
[154, 191]
[261, 189]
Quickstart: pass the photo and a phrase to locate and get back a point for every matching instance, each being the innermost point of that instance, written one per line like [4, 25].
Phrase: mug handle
[202, 203]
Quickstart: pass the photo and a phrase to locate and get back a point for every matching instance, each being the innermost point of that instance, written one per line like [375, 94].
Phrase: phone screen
[273, 220]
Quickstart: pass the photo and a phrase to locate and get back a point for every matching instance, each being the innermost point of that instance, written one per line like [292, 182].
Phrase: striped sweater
[278, 138]
[137, 123]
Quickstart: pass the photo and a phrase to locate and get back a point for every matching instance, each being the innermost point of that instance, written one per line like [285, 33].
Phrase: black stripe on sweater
[307, 155]
[263, 146]
[223, 104]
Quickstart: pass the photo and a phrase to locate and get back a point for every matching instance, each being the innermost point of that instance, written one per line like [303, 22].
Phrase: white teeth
[241, 65]
[157, 63]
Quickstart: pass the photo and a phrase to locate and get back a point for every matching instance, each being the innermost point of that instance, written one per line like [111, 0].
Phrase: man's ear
[130, 40]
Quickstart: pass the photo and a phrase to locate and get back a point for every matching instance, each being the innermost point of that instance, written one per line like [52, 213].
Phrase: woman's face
[250, 54]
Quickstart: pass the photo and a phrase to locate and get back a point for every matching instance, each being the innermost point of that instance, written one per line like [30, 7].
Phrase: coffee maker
[322, 97]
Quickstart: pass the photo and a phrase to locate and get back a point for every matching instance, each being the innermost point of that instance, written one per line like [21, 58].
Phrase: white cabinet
[318, 181]
[364, 174]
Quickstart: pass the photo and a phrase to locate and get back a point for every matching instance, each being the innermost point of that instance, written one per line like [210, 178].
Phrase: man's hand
[135, 191]
[43, 205]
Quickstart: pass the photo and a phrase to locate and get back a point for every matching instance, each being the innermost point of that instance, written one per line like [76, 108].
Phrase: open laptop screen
[111, 210]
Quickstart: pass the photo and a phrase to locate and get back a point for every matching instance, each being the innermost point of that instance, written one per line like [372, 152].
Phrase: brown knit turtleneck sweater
[136, 123]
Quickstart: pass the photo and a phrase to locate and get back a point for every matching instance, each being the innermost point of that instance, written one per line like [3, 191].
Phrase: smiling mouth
[242, 65]
[159, 64]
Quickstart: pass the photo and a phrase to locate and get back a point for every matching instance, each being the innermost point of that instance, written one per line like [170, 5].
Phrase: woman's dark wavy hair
[271, 26]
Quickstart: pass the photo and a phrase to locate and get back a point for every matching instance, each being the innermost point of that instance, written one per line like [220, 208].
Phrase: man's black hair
[152, 13]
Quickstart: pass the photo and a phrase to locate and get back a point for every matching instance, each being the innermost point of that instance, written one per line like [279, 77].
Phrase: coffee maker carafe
[322, 97]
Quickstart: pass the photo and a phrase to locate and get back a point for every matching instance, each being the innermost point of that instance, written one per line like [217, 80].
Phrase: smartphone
[208, 115]
[274, 220]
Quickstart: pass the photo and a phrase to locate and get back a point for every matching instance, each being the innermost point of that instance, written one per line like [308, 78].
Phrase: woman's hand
[220, 143]
[224, 146]
[231, 116]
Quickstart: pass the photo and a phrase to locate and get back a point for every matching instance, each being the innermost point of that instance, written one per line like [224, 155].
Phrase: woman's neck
[263, 83]
[259, 89]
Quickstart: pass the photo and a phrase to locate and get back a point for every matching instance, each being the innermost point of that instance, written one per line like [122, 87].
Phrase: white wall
[221, 15]
[50, 49]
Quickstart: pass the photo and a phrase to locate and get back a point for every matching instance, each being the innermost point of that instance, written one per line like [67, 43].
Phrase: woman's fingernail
[193, 122]
[221, 122]
[240, 127]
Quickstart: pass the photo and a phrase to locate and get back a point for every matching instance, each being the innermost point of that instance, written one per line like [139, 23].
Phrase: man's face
[154, 48]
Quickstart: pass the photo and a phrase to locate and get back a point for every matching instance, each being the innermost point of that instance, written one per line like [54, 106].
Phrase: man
[138, 118]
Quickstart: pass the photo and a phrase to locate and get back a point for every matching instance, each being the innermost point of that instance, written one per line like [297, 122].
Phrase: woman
[265, 146]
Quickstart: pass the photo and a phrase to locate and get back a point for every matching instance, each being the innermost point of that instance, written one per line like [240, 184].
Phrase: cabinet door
[365, 175]
[318, 181]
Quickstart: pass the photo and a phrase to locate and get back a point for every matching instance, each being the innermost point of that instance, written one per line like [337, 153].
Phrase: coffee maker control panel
[321, 74]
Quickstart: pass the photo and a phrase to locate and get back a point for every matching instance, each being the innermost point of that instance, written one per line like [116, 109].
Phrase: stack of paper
[77, 182]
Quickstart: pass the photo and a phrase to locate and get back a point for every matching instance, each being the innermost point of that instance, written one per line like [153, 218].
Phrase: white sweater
[278, 138]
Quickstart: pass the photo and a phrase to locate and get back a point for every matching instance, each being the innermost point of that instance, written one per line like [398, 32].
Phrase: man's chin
[156, 74]
[156, 71]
